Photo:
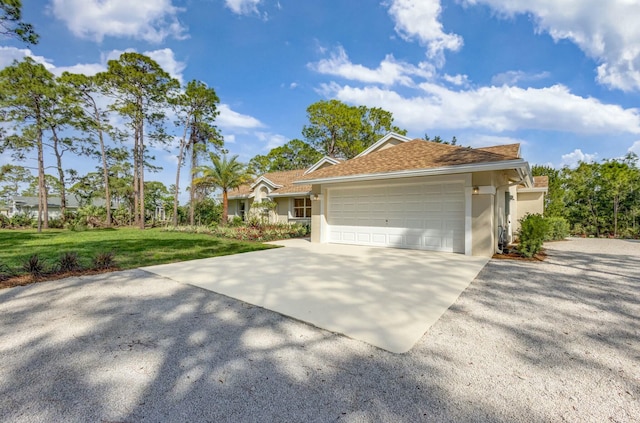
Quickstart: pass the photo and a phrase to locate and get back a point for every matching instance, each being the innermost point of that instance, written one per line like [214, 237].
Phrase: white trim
[381, 141]
[538, 189]
[324, 226]
[502, 165]
[324, 160]
[291, 194]
[265, 180]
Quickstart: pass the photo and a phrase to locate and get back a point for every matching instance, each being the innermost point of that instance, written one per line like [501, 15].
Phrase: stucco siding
[482, 224]
[529, 203]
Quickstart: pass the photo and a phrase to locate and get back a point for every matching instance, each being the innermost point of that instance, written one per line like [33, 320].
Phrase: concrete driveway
[386, 297]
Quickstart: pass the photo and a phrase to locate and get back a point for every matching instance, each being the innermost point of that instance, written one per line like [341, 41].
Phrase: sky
[561, 77]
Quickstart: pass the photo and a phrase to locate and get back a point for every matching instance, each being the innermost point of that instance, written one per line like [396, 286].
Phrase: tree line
[596, 198]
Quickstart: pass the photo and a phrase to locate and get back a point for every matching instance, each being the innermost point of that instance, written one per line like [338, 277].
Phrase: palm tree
[224, 174]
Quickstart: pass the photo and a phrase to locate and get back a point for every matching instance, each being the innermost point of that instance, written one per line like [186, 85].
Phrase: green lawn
[132, 247]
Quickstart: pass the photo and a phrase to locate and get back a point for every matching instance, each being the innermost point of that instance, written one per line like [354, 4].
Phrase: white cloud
[167, 61]
[389, 72]
[293, 85]
[635, 148]
[229, 139]
[572, 159]
[419, 19]
[231, 119]
[514, 77]
[459, 80]
[9, 54]
[271, 140]
[149, 20]
[243, 7]
[496, 109]
[605, 30]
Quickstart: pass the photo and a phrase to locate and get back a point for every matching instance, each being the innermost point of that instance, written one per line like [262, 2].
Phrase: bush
[55, 223]
[5, 272]
[235, 221]
[103, 261]
[533, 230]
[68, 262]
[5, 222]
[35, 266]
[558, 228]
[22, 220]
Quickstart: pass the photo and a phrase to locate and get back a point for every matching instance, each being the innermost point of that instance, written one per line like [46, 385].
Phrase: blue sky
[559, 76]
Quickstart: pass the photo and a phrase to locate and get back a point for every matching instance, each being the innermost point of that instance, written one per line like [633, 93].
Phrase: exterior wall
[482, 223]
[528, 203]
[282, 210]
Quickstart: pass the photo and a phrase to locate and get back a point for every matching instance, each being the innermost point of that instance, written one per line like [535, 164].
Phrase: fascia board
[503, 165]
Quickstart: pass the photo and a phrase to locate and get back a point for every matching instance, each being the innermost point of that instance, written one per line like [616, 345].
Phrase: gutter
[502, 165]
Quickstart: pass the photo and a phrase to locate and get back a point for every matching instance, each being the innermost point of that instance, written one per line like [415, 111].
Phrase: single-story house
[29, 205]
[408, 194]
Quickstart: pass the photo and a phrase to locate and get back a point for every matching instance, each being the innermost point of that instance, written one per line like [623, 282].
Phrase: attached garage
[420, 215]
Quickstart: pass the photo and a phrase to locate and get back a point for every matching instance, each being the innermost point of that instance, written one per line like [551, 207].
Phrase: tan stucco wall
[315, 220]
[482, 224]
[282, 210]
[529, 203]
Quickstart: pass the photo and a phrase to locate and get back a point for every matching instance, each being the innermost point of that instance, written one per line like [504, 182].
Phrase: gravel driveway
[552, 341]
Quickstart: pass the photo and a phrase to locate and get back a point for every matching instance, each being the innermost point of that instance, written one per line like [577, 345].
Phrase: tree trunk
[43, 206]
[177, 189]
[63, 191]
[105, 168]
[194, 163]
[136, 193]
[141, 177]
[225, 206]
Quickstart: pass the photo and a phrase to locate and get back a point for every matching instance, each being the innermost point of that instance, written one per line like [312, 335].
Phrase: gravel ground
[529, 342]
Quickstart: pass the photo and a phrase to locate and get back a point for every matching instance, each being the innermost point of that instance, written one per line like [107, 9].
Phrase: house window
[242, 209]
[302, 207]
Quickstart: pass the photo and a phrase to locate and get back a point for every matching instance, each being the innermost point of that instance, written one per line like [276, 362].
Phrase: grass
[131, 247]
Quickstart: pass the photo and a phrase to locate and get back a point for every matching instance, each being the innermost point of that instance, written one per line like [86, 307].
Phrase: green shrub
[55, 223]
[22, 220]
[236, 221]
[533, 229]
[5, 222]
[5, 272]
[558, 228]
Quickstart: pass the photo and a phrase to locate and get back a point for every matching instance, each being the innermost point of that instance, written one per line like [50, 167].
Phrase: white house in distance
[406, 193]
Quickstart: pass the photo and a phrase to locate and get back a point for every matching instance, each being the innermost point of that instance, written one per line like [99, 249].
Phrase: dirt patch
[515, 255]
[22, 280]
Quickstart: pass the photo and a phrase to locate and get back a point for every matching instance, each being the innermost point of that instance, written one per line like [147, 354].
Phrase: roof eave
[291, 194]
[477, 167]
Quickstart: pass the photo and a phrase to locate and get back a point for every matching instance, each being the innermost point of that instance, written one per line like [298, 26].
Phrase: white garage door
[419, 216]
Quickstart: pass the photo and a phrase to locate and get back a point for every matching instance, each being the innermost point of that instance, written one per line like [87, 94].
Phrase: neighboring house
[407, 194]
[29, 205]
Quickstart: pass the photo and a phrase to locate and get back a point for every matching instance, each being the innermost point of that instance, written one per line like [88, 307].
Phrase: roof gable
[390, 140]
[323, 162]
[282, 183]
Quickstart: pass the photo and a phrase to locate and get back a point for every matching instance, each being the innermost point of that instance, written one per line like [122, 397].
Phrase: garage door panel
[422, 216]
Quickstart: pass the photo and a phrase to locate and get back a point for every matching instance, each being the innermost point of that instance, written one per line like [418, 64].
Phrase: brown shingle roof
[540, 181]
[284, 178]
[413, 155]
[507, 150]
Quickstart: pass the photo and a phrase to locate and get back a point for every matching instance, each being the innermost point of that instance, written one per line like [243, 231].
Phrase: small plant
[105, 260]
[5, 272]
[68, 262]
[533, 230]
[34, 266]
